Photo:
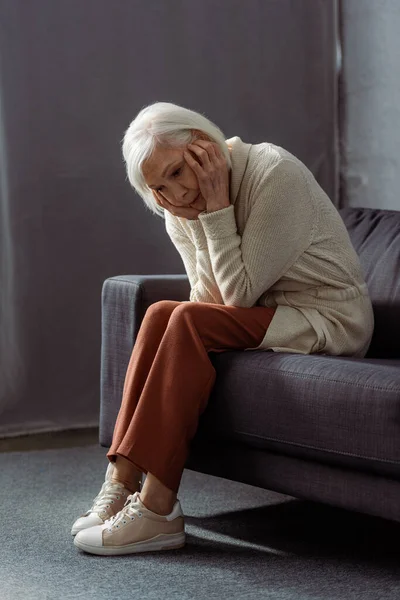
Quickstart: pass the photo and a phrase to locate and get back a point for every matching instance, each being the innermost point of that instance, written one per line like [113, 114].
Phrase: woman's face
[168, 172]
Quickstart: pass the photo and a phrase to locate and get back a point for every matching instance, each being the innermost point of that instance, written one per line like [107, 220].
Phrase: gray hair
[169, 125]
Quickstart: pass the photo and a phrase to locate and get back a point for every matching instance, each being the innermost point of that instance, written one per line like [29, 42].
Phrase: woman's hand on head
[190, 212]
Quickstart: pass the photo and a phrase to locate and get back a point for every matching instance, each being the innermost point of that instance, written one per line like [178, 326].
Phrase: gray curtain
[370, 103]
[11, 360]
[74, 73]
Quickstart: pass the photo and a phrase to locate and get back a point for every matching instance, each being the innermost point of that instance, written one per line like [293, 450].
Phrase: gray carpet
[243, 542]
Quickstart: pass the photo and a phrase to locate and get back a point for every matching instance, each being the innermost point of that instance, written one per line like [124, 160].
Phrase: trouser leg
[170, 377]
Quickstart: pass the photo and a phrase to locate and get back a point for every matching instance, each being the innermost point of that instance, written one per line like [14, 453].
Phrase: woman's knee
[162, 306]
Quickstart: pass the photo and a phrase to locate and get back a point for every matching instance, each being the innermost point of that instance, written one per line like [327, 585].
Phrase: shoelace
[130, 510]
[108, 493]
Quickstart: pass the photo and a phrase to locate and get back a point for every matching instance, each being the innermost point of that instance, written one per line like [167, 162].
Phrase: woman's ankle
[159, 508]
[156, 496]
[124, 472]
[131, 486]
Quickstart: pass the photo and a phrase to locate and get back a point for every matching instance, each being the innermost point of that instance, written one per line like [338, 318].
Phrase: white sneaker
[109, 501]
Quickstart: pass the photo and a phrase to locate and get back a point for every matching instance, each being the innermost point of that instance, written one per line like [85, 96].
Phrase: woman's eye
[175, 172]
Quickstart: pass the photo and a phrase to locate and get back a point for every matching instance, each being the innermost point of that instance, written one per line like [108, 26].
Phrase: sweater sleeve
[278, 230]
[196, 260]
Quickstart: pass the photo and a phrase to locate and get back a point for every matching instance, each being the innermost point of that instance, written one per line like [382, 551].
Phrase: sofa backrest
[375, 235]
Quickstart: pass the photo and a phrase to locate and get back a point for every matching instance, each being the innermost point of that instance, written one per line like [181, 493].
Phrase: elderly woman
[271, 267]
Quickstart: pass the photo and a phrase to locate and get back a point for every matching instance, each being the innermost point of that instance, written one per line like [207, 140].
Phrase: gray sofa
[317, 427]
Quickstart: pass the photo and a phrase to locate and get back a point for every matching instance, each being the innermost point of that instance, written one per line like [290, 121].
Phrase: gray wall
[74, 73]
[370, 103]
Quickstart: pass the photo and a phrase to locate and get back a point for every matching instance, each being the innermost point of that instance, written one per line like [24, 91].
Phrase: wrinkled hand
[190, 212]
[212, 173]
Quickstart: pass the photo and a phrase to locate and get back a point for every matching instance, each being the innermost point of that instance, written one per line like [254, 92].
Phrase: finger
[157, 197]
[212, 148]
[218, 155]
[204, 143]
[192, 162]
[200, 172]
[217, 151]
[202, 152]
[162, 201]
[213, 152]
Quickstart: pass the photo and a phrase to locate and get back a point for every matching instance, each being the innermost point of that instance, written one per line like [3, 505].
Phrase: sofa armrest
[124, 301]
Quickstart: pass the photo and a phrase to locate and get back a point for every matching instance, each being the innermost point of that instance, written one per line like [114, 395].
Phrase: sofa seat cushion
[336, 409]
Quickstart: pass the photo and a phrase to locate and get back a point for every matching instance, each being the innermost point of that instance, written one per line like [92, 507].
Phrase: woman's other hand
[190, 212]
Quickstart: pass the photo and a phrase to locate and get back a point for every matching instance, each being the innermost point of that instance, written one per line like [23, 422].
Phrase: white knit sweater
[281, 243]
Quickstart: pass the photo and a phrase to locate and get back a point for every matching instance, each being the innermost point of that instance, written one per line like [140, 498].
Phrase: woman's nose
[180, 195]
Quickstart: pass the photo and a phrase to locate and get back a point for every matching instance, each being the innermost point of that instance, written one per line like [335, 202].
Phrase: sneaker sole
[160, 542]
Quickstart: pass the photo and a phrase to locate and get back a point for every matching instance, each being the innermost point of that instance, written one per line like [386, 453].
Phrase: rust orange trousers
[170, 376]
